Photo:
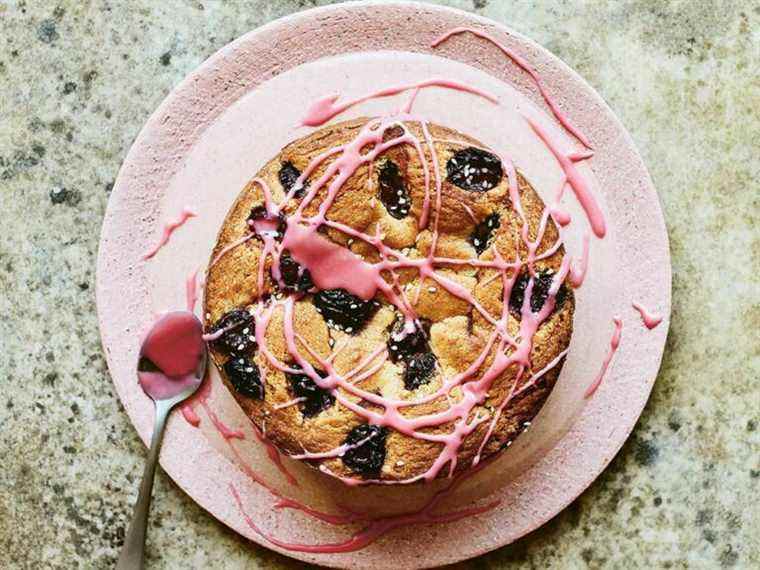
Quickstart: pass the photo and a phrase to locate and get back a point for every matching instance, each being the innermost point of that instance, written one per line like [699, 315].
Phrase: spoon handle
[131, 557]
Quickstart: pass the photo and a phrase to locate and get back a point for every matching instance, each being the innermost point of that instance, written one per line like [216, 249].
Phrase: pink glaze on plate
[169, 228]
[327, 107]
[191, 290]
[575, 179]
[650, 319]
[578, 272]
[614, 343]
[373, 527]
[528, 68]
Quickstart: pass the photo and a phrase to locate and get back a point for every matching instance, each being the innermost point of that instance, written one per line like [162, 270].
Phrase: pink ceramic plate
[223, 122]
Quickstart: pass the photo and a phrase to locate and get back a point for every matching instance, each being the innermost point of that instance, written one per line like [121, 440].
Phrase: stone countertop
[77, 82]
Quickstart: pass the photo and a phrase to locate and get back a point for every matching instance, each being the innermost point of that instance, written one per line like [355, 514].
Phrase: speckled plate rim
[632, 205]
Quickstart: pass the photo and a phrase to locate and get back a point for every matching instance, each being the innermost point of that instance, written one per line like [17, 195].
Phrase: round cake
[387, 300]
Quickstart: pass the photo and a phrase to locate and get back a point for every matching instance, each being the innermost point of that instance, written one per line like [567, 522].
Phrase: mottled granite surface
[78, 80]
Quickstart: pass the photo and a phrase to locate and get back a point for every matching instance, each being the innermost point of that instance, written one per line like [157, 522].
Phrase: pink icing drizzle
[575, 179]
[650, 319]
[327, 107]
[191, 290]
[614, 343]
[525, 66]
[374, 528]
[169, 228]
[578, 273]
[329, 263]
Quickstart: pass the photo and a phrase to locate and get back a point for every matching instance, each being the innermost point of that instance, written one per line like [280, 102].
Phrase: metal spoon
[132, 552]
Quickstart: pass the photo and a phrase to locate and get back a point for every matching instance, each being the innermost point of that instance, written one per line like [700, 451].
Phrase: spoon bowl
[171, 367]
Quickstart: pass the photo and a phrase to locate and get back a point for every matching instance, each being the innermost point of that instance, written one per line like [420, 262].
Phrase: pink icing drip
[274, 456]
[168, 230]
[188, 412]
[614, 343]
[559, 215]
[161, 387]
[229, 248]
[283, 502]
[470, 214]
[327, 107]
[525, 66]
[191, 290]
[375, 527]
[578, 273]
[174, 343]
[201, 397]
[575, 179]
[650, 319]
[224, 430]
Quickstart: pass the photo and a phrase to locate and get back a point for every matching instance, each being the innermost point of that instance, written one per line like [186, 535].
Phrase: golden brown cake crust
[457, 334]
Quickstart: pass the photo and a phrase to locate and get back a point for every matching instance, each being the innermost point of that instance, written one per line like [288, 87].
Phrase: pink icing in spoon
[171, 366]
[171, 355]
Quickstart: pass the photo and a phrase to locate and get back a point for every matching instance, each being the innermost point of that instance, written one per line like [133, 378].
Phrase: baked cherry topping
[343, 310]
[474, 169]
[295, 277]
[288, 176]
[368, 457]
[262, 223]
[483, 232]
[317, 399]
[244, 376]
[541, 286]
[419, 370]
[239, 334]
[393, 192]
[402, 344]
